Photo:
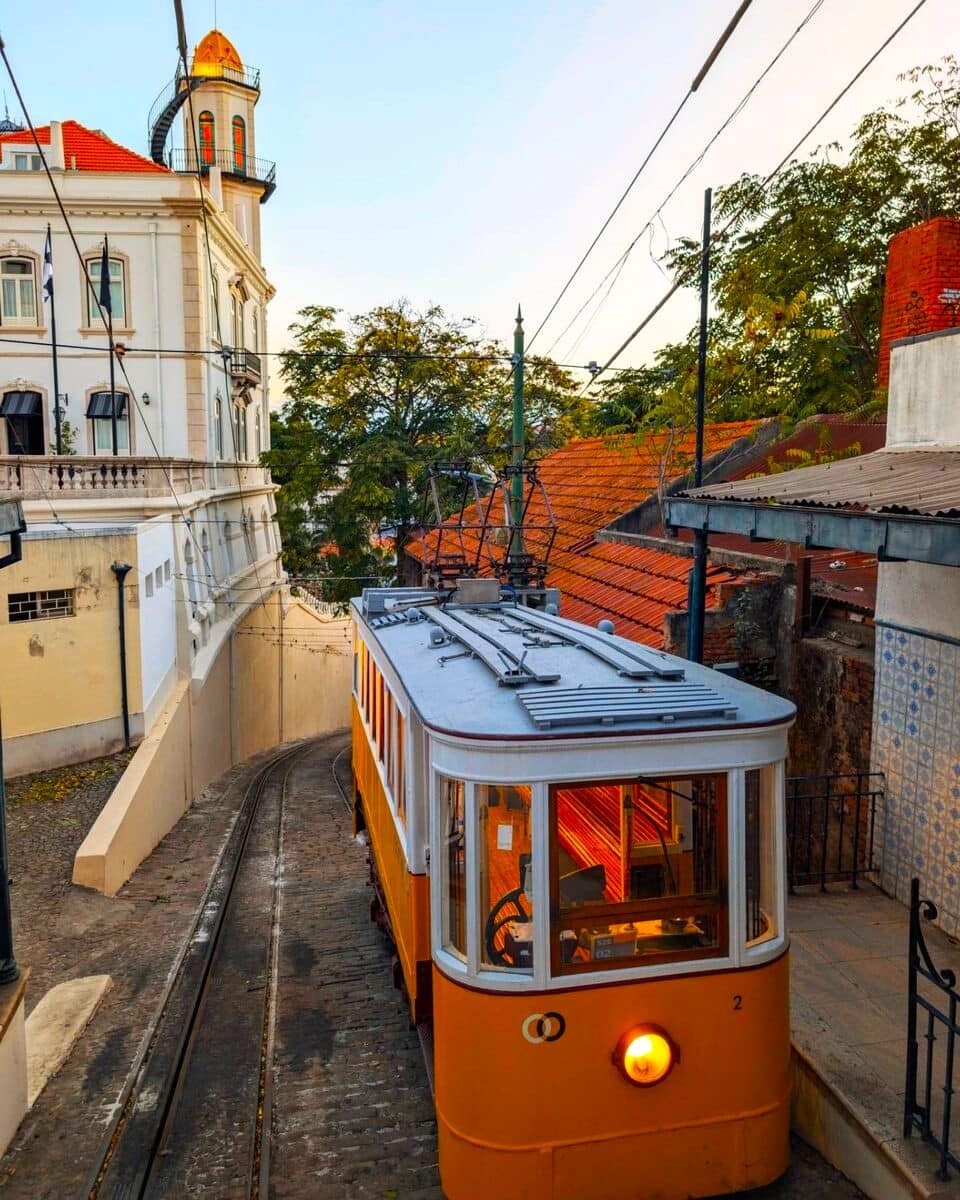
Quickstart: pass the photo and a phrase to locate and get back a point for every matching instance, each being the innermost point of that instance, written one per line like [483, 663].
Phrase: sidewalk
[849, 1017]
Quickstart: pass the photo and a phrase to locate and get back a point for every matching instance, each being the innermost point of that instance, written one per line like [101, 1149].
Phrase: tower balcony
[231, 164]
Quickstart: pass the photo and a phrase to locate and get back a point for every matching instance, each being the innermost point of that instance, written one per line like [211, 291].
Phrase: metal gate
[831, 821]
[936, 1008]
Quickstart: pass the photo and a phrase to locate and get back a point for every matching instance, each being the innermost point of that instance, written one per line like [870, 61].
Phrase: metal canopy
[663, 702]
[20, 404]
[896, 504]
[887, 535]
[100, 405]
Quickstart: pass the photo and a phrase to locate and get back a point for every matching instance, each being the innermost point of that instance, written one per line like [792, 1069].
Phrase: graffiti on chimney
[914, 311]
[950, 299]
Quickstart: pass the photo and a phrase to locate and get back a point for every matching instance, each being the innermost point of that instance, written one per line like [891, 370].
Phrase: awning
[100, 406]
[897, 504]
[20, 404]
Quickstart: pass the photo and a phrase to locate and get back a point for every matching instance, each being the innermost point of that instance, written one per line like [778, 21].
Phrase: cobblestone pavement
[62, 931]
[353, 1115]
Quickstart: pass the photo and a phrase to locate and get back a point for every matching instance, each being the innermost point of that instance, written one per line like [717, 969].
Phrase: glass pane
[20, 162]
[639, 871]
[10, 298]
[103, 434]
[506, 877]
[454, 866]
[15, 266]
[762, 875]
[28, 306]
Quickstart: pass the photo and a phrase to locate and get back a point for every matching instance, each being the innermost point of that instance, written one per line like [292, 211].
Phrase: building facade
[175, 522]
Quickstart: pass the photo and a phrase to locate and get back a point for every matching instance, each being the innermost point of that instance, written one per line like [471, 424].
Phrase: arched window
[100, 410]
[236, 312]
[214, 304]
[18, 292]
[207, 566]
[239, 146]
[228, 546]
[208, 141]
[189, 569]
[258, 432]
[255, 331]
[218, 427]
[22, 413]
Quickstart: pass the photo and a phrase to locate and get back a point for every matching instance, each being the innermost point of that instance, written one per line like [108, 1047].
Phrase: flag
[105, 280]
[47, 283]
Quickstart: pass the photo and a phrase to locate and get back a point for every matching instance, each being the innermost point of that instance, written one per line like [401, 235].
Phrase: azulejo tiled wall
[916, 743]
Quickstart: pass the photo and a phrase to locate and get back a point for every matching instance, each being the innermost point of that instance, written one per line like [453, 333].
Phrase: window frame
[238, 152]
[124, 425]
[207, 147]
[718, 902]
[18, 320]
[91, 309]
[761, 949]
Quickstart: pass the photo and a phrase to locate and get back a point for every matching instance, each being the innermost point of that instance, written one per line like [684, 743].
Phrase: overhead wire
[683, 279]
[648, 225]
[698, 79]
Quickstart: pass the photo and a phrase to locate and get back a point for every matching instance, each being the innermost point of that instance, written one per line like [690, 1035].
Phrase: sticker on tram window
[543, 1027]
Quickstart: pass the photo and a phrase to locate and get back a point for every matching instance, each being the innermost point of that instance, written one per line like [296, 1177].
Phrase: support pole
[121, 570]
[9, 971]
[516, 484]
[698, 576]
[58, 439]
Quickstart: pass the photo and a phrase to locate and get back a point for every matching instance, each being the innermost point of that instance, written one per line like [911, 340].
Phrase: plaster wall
[924, 402]
[63, 675]
[211, 722]
[158, 609]
[924, 597]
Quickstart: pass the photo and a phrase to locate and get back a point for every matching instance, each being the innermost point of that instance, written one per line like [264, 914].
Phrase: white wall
[921, 596]
[924, 400]
[158, 612]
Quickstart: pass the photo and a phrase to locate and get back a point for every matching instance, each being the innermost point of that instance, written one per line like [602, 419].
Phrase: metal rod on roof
[697, 600]
[516, 483]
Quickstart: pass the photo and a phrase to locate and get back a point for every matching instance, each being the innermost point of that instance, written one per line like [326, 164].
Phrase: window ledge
[118, 331]
[10, 328]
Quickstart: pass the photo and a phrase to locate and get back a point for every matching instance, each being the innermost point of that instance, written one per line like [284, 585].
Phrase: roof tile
[88, 149]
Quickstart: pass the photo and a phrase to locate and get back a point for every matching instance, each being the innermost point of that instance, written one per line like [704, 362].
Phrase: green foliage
[797, 278]
[68, 439]
[372, 403]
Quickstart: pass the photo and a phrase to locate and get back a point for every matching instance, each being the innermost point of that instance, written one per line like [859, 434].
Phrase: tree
[371, 405]
[797, 279]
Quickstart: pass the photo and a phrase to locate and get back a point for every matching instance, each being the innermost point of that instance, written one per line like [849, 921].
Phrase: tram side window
[506, 881]
[397, 780]
[638, 872]
[380, 717]
[454, 865]
[763, 867]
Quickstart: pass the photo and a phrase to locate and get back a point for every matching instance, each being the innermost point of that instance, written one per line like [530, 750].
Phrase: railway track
[194, 1116]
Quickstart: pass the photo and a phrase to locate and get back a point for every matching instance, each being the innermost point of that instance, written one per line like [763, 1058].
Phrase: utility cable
[698, 79]
[683, 279]
[647, 227]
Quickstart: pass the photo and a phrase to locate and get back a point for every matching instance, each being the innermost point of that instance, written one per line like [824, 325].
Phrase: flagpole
[53, 342]
[105, 262]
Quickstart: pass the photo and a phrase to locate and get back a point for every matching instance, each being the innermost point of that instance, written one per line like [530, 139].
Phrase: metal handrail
[246, 362]
[243, 166]
[249, 77]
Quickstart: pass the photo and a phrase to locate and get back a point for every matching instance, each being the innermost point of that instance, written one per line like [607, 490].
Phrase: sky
[465, 154]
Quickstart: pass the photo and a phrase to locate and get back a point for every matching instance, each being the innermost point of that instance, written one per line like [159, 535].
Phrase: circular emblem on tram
[543, 1027]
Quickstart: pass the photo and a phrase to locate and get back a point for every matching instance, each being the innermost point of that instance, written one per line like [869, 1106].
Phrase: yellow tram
[578, 843]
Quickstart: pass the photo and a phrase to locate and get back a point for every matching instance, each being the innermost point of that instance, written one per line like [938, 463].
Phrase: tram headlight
[645, 1055]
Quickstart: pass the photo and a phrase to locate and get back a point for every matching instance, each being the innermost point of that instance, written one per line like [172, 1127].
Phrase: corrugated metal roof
[919, 482]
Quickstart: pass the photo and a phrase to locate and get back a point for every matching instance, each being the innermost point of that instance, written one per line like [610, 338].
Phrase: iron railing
[245, 363]
[243, 166]
[831, 822]
[249, 77]
[940, 1007]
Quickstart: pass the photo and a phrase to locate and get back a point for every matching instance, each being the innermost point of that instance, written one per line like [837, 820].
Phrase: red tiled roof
[588, 483]
[89, 149]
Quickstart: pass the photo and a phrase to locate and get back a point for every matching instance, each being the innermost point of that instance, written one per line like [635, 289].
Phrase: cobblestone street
[352, 1112]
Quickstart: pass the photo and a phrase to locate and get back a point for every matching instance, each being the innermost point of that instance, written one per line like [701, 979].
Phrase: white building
[184, 502]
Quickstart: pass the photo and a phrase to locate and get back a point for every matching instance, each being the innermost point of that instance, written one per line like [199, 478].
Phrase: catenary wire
[683, 279]
[699, 78]
[647, 227]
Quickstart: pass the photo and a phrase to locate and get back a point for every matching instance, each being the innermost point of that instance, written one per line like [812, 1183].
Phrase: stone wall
[833, 691]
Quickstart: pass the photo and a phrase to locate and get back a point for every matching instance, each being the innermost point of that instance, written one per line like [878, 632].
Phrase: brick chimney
[923, 285]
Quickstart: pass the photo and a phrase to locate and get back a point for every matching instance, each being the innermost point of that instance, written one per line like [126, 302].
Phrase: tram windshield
[638, 871]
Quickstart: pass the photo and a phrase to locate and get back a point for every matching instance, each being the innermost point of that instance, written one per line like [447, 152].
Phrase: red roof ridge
[91, 149]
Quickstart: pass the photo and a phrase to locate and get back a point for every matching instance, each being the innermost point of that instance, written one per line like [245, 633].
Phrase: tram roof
[506, 671]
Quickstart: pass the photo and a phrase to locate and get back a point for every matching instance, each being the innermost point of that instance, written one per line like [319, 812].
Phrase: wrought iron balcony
[239, 166]
[245, 364]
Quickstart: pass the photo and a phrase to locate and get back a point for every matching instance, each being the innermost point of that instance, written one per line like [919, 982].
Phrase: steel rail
[156, 1117]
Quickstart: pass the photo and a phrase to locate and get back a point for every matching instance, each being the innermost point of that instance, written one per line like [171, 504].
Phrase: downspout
[121, 570]
[155, 254]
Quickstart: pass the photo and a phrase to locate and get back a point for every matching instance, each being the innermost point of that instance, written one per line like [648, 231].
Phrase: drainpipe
[121, 570]
[154, 251]
[9, 971]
